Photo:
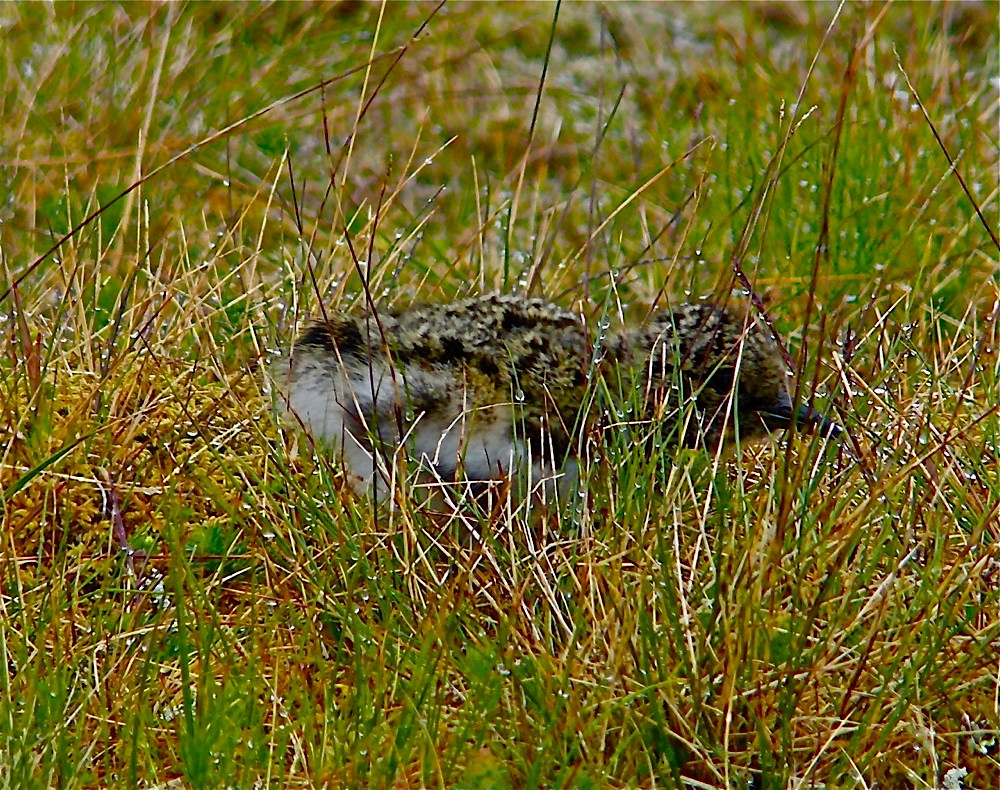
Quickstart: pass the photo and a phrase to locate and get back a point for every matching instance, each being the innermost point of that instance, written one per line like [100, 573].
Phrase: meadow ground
[183, 184]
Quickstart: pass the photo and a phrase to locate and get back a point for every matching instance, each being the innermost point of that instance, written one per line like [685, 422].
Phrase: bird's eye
[721, 381]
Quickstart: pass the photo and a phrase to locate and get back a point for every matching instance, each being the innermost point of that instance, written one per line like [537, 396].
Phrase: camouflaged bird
[481, 388]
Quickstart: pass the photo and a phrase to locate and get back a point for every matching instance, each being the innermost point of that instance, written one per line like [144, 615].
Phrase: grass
[797, 614]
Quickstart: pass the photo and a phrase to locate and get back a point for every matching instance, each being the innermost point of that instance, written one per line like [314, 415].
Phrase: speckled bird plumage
[479, 388]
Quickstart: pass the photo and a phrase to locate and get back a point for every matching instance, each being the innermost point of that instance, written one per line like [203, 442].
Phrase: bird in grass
[487, 388]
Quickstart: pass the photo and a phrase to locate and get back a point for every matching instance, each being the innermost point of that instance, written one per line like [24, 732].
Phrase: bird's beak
[783, 413]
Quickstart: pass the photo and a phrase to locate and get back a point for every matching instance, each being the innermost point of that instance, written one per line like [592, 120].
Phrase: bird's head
[718, 371]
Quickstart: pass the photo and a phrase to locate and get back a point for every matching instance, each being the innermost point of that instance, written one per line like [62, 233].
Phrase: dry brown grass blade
[952, 164]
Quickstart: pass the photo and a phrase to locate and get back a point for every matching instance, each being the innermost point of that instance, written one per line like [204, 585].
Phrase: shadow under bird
[495, 387]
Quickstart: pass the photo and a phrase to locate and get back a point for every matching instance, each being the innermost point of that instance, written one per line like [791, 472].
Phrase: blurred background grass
[797, 616]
